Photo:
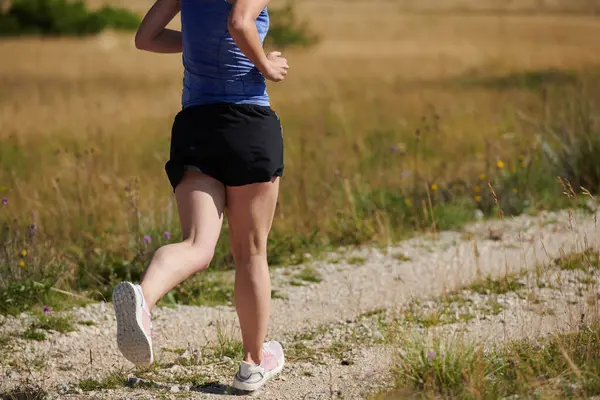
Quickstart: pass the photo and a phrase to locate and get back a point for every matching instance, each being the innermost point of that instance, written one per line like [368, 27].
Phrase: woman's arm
[152, 34]
[242, 29]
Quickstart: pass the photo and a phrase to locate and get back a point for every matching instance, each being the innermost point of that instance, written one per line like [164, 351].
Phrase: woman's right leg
[200, 201]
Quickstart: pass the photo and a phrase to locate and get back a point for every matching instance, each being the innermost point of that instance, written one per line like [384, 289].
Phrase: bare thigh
[250, 211]
[201, 203]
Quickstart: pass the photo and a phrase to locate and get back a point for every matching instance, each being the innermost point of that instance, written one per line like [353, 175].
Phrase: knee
[200, 255]
[195, 254]
[246, 249]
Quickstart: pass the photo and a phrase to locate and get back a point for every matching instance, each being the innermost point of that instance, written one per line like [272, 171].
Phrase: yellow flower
[521, 157]
[23, 253]
[478, 198]
[477, 189]
[408, 202]
[482, 177]
[434, 187]
[515, 190]
[500, 164]
[523, 164]
[3, 188]
[22, 264]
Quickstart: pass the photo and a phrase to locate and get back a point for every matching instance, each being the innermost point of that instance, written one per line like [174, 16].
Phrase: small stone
[282, 378]
[347, 362]
[133, 381]
[174, 389]
[227, 360]
[63, 389]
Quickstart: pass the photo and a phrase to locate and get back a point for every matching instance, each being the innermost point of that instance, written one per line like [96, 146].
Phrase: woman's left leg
[250, 211]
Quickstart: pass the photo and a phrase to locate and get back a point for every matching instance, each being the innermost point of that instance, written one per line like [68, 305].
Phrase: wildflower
[500, 164]
[431, 355]
[482, 177]
[4, 201]
[515, 190]
[478, 198]
[434, 187]
[32, 230]
[47, 309]
[23, 253]
[477, 189]
[167, 235]
[521, 157]
[22, 264]
[147, 239]
[394, 149]
[523, 164]
[408, 202]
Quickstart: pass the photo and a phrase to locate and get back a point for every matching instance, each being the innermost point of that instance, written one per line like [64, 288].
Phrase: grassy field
[398, 121]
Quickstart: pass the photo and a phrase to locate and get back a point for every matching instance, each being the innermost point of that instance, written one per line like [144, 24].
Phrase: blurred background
[400, 117]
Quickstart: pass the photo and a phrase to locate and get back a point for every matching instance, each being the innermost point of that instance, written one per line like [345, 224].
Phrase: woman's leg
[250, 211]
[200, 201]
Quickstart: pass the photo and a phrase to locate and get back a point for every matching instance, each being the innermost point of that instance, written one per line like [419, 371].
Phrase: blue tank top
[215, 69]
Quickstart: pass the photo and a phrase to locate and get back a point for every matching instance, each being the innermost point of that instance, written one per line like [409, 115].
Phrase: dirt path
[355, 283]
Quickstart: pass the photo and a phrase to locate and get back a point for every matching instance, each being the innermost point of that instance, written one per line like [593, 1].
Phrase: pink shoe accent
[251, 377]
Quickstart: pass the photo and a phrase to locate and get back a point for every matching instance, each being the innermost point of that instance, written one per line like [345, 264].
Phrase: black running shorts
[237, 144]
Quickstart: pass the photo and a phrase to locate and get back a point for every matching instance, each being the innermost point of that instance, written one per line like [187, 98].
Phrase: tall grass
[369, 158]
[565, 365]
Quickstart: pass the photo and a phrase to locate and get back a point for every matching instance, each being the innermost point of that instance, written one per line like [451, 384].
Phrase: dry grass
[82, 118]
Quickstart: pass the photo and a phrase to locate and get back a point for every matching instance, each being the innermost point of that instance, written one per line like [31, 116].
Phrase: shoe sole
[131, 338]
[251, 387]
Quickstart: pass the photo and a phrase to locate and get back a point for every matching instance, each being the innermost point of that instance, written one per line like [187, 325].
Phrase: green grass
[444, 315]
[178, 351]
[309, 274]
[114, 380]
[30, 295]
[587, 261]
[509, 283]
[561, 366]
[356, 260]
[34, 334]
[54, 323]
[276, 294]
[87, 322]
[211, 288]
[227, 345]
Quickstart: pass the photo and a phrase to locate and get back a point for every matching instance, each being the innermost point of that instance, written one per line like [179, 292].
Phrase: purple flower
[147, 239]
[431, 355]
[4, 201]
[167, 235]
[33, 229]
[47, 309]
[394, 149]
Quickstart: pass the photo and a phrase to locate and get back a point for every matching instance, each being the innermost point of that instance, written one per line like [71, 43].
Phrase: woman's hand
[277, 67]
[152, 34]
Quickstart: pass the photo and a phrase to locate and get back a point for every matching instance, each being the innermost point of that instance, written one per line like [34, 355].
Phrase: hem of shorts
[263, 103]
[278, 173]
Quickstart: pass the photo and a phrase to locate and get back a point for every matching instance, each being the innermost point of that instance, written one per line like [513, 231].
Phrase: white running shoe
[134, 326]
[251, 377]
